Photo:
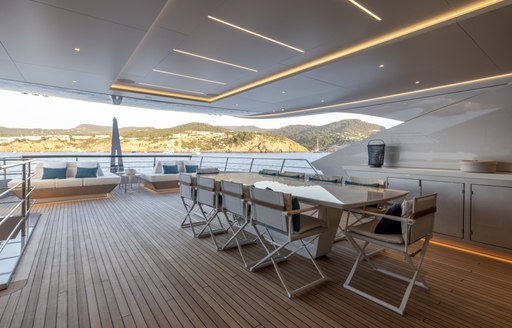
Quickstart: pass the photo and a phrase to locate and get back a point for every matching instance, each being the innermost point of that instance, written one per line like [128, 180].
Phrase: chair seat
[367, 229]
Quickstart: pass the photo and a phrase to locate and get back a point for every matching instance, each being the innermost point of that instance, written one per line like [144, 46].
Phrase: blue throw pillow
[390, 227]
[54, 173]
[86, 172]
[191, 168]
[170, 169]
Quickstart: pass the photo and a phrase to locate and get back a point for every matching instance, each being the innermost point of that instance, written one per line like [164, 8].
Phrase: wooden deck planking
[124, 261]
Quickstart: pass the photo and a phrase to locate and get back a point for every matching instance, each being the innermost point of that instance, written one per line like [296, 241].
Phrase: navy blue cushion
[390, 227]
[86, 172]
[54, 173]
[269, 172]
[295, 217]
[191, 168]
[348, 182]
[170, 169]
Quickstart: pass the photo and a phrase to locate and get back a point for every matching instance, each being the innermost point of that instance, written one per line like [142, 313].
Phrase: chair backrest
[423, 213]
[293, 175]
[207, 191]
[233, 194]
[326, 178]
[267, 208]
[187, 186]
[365, 182]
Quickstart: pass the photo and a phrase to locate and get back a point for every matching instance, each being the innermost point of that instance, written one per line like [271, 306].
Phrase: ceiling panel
[290, 88]
[441, 56]
[64, 78]
[491, 31]
[47, 37]
[172, 81]
[7, 67]
[134, 13]
[186, 16]
[154, 48]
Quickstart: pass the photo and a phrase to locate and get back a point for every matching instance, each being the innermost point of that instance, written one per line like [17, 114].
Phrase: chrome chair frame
[417, 229]
[271, 210]
[188, 197]
[208, 196]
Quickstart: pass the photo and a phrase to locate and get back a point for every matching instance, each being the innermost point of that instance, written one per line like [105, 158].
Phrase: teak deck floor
[124, 261]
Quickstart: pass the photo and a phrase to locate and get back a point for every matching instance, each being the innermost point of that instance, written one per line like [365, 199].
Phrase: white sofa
[70, 187]
[157, 181]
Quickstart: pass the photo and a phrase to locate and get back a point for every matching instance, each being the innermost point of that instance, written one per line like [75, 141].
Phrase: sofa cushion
[50, 183]
[104, 180]
[69, 182]
[159, 177]
[86, 172]
[54, 173]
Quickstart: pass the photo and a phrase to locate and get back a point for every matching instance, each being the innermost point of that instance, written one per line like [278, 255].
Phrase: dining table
[330, 198]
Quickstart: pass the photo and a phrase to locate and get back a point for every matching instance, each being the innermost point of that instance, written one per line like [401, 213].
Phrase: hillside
[188, 137]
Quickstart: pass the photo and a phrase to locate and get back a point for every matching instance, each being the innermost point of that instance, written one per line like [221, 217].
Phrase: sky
[29, 111]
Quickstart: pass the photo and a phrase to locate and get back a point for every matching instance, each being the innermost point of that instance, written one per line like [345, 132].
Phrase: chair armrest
[302, 210]
[391, 217]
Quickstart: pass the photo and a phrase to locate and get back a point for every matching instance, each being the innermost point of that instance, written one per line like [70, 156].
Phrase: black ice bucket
[376, 152]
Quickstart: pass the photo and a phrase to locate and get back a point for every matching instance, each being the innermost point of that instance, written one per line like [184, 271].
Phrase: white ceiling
[125, 40]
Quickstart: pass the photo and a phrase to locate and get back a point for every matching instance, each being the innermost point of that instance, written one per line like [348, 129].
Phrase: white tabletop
[315, 192]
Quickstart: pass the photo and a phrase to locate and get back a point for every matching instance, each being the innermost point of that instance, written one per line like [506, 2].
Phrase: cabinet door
[410, 185]
[450, 206]
[491, 219]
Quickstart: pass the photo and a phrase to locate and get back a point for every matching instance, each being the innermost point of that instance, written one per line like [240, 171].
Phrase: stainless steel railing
[223, 163]
[13, 224]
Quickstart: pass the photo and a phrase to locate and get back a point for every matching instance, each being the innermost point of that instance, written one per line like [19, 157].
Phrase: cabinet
[491, 219]
[450, 202]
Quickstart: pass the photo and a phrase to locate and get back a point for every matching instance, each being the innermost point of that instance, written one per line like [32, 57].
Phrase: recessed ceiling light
[255, 34]
[77, 49]
[366, 10]
[175, 89]
[322, 101]
[282, 109]
[74, 81]
[188, 76]
[417, 82]
[214, 60]
[381, 65]
[283, 91]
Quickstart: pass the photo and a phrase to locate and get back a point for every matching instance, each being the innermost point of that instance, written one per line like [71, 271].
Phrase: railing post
[201, 162]
[23, 198]
[282, 165]
[226, 165]
[5, 171]
[252, 162]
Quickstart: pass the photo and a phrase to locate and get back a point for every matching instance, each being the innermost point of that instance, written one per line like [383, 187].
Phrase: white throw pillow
[407, 206]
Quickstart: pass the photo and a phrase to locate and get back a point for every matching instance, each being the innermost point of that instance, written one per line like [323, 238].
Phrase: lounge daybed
[166, 174]
[90, 182]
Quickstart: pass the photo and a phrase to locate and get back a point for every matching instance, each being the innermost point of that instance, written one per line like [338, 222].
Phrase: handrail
[25, 206]
[223, 163]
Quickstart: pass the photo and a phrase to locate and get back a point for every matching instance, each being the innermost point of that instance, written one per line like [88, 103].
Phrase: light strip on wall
[254, 33]
[366, 10]
[362, 101]
[175, 89]
[469, 251]
[214, 60]
[187, 76]
[403, 32]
